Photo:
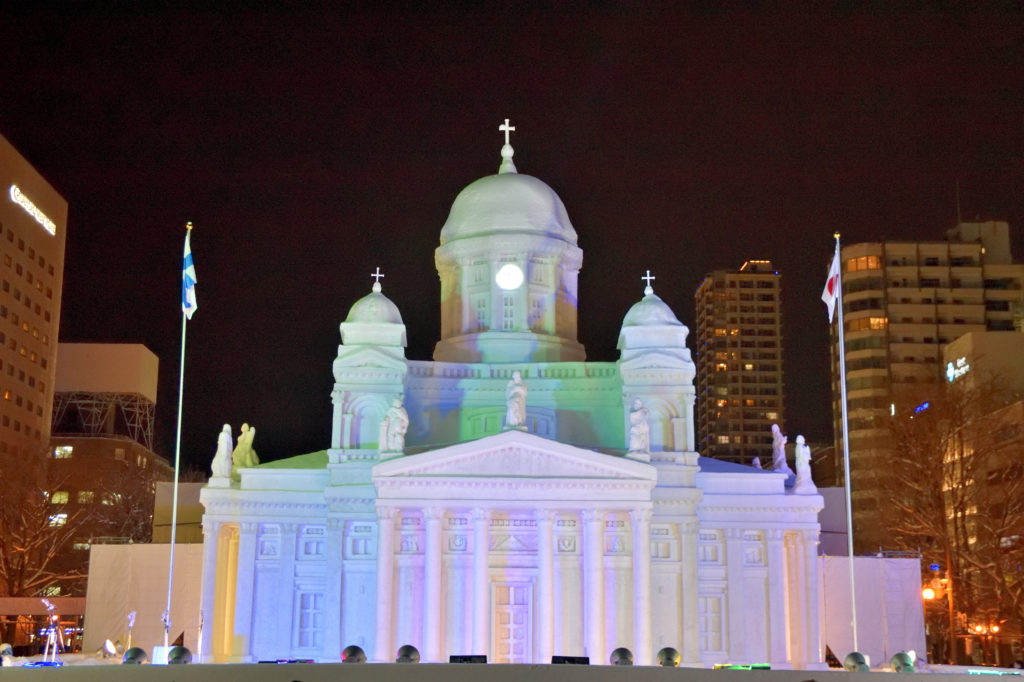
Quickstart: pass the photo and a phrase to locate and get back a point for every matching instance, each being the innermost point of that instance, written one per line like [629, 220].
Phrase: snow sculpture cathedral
[518, 543]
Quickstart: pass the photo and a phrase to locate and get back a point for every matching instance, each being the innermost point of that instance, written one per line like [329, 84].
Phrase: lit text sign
[955, 370]
[30, 208]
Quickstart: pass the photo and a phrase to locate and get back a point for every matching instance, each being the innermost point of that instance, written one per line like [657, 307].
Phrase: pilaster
[382, 643]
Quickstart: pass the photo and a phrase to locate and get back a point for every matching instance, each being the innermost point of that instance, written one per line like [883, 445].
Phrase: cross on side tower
[648, 290]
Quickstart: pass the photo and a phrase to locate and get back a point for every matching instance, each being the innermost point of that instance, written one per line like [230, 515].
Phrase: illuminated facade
[739, 362]
[33, 221]
[902, 303]
[547, 538]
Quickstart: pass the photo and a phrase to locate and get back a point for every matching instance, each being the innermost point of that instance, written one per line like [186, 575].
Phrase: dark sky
[312, 144]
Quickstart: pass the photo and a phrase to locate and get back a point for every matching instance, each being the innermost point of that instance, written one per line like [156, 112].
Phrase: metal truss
[105, 414]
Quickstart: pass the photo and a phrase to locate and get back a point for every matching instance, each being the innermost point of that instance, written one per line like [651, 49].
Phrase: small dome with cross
[375, 307]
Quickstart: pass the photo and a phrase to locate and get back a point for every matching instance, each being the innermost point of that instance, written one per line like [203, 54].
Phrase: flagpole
[846, 447]
[177, 458]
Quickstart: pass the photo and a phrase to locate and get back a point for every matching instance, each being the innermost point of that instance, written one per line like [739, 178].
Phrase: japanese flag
[831, 292]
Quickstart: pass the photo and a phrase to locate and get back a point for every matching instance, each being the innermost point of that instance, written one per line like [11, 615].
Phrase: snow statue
[756, 462]
[244, 456]
[221, 464]
[639, 429]
[804, 484]
[779, 464]
[515, 399]
[393, 428]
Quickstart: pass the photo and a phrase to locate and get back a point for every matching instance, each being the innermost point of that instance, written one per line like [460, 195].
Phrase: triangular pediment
[514, 454]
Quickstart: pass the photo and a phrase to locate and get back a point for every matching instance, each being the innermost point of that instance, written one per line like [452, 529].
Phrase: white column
[688, 550]
[735, 602]
[593, 580]
[777, 645]
[286, 586]
[211, 536]
[241, 648]
[641, 522]
[333, 589]
[481, 582]
[382, 645]
[812, 648]
[432, 639]
[794, 558]
[545, 585]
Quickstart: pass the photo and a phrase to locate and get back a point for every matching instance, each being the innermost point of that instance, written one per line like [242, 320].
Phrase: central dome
[507, 203]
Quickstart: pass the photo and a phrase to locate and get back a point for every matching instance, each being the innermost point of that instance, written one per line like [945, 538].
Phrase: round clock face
[509, 277]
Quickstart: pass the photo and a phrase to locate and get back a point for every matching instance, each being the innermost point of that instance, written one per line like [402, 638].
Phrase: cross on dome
[506, 128]
[506, 151]
[648, 290]
[376, 279]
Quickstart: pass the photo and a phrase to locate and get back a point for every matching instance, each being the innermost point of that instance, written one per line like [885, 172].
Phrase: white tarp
[125, 578]
[890, 611]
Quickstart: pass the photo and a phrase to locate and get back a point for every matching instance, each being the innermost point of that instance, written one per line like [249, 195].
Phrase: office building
[739, 362]
[103, 469]
[33, 221]
[903, 302]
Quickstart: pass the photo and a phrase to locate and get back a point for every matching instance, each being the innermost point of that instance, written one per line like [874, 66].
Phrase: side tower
[369, 373]
[656, 367]
[509, 265]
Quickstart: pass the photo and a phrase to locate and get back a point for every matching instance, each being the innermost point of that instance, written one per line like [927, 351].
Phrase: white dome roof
[375, 307]
[507, 203]
[650, 311]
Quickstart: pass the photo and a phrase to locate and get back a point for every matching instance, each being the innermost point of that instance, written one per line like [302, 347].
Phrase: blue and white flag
[188, 279]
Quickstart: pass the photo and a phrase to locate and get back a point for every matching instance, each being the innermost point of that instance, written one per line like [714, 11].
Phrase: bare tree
[942, 504]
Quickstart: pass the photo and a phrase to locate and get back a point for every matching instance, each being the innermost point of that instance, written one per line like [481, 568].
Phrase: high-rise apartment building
[739, 362]
[902, 303]
[33, 220]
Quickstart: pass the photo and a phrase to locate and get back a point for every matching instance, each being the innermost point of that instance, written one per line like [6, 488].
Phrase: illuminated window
[749, 366]
[59, 497]
[110, 499]
[749, 402]
[723, 440]
[865, 323]
[119, 454]
[771, 415]
[719, 332]
[63, 452]
[721, 402]
[58, 519]
[863, 263]
[86, 496]
[81, 546]
[721, 367]
[50, 590]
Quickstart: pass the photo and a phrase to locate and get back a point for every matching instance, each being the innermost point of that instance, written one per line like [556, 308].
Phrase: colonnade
[593, 570]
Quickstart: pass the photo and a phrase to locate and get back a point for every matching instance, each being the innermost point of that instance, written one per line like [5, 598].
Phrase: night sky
[313, 144]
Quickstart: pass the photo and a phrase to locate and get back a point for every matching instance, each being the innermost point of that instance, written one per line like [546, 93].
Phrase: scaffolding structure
[87, 413]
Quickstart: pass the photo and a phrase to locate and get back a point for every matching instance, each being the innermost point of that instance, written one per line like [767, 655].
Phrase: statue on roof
[779, 441]
[804, 483]
[639, 429]
[393, 428]
[244, 456]
[221, 464]
[515, 402]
